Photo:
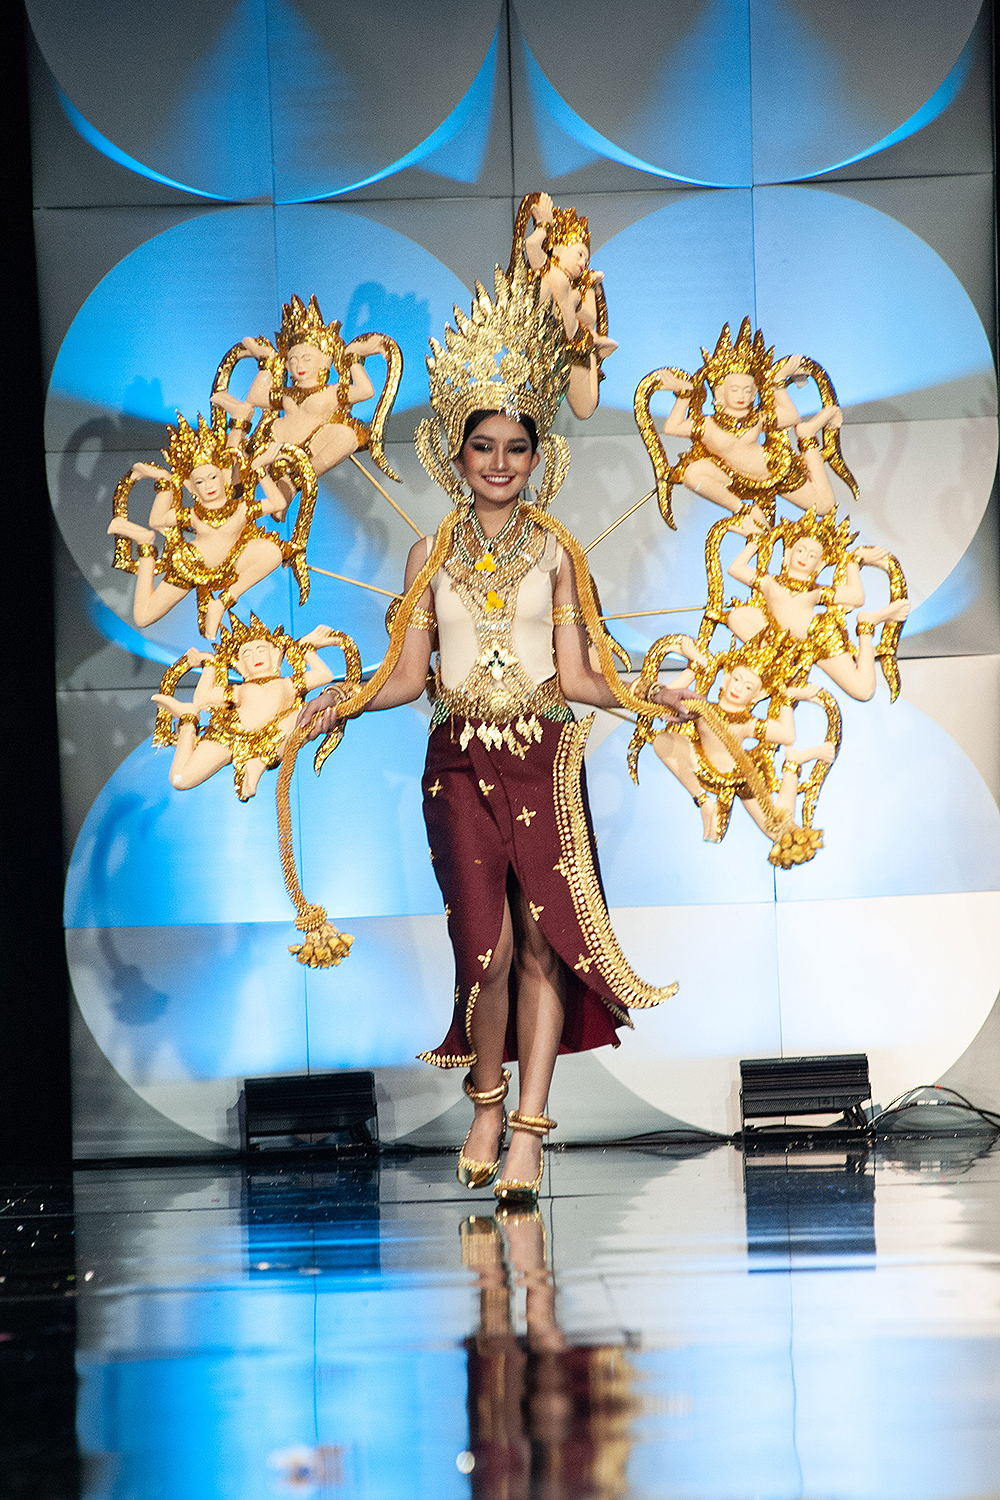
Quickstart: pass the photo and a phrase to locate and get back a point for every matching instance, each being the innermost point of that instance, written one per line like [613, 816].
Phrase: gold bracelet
[146, 549]
[792, 765]
[806, 444]
[866, 627]
[188, 719]
[240, 424]
[163, 485]
[567, 614]
[422, 619]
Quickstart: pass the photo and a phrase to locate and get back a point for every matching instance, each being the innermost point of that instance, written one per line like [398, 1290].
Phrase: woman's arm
[407, 679]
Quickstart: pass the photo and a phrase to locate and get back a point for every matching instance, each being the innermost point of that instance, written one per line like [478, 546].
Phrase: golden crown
[566, 228]
[833, 538]
[746, 357]
[509, 357]
[189, 447]
[304, 325]
[239, 635]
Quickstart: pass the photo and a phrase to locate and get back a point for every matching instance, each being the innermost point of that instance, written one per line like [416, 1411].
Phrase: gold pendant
[485, 564]
[493, 602]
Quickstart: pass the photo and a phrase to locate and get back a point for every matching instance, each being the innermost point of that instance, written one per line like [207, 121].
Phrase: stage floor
[673, 1323]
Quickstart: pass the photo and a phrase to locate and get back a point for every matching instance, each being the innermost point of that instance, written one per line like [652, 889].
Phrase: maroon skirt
[495, 817]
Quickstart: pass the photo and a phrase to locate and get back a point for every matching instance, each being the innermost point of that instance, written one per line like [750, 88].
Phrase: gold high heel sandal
[513, 1189]
[479, 1174]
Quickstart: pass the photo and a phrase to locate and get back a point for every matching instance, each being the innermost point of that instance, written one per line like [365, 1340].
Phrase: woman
[538, 968]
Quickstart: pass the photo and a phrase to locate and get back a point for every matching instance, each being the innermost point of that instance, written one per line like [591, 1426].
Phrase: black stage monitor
[773, 1087]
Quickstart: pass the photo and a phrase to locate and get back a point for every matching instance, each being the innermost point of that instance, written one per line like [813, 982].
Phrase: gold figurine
[790, 624]
[216, 544]
[249, 721]
[741, 455]
[301, 405]
[558, 251]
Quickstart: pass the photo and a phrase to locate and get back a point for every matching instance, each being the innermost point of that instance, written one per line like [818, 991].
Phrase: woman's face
[496, 460]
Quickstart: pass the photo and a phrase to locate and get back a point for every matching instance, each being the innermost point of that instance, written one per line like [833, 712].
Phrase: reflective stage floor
[672, 1323]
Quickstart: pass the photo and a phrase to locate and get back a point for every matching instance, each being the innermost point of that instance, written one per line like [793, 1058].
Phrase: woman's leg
[540, 1014]
[487, 1031]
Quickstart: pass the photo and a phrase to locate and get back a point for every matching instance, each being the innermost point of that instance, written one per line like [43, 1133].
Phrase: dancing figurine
[249, 722]
[301, 405]
[789, 625]
[741, 456]
[558, 251]
[710, 756]
[228, 550]
[804, 625]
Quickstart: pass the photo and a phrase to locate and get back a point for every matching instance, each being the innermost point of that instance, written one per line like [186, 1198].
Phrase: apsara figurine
[216, 544]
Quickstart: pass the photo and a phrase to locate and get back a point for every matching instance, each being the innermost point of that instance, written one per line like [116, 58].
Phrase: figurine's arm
[741, 569]
[360, 388]
[317, 671]
[274, 502]
[852, 592]
[533, 242]
[780, 731]
[678, 423]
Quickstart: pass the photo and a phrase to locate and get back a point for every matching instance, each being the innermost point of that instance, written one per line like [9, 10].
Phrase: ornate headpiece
[188, 447]
[304, 325]
[746, 357]
[509, 357]
[834, 539]
[238, 635]
[566, 228]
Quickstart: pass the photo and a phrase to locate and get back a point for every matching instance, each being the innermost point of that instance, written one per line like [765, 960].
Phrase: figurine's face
[209, 484]
[805, 559]
[306, 365]
[258, 659]
[496, 459]
[740, 688]
[573, 258]
[736, 394]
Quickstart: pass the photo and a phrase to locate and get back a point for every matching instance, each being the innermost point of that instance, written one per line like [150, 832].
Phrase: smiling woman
[538, 967]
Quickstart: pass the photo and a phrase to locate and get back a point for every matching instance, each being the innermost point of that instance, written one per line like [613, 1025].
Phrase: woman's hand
[673, 699]
[320, 715]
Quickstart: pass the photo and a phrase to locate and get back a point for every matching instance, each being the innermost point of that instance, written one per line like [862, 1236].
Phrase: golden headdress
[304, 325]
[509, 357]
[567, 228]
[833, 538]
[746, 357]
[189, 447]
[238, 635]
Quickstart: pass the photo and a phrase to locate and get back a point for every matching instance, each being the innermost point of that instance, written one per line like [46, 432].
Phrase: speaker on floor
[773, 1088]
[314, 1109]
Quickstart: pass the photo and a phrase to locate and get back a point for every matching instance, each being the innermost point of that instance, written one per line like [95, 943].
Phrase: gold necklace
[795, 585]
[224, 513]
[299, 393]
[729, 423]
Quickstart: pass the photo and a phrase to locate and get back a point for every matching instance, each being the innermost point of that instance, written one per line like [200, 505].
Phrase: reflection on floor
[809, 1324]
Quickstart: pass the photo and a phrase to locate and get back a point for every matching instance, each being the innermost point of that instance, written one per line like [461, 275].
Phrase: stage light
[776, 1087]
[328, 1109]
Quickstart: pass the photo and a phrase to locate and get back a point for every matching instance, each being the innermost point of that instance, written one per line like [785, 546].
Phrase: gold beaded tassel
[324, 946]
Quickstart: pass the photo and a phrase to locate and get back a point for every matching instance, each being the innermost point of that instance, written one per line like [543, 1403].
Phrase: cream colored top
[460, 641]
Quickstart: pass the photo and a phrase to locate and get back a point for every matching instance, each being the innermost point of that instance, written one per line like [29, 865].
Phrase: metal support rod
[397, 508]
[609, 529]
[341, 578]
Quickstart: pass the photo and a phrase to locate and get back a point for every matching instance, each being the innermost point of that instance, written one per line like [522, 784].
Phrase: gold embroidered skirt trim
[577, 867]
